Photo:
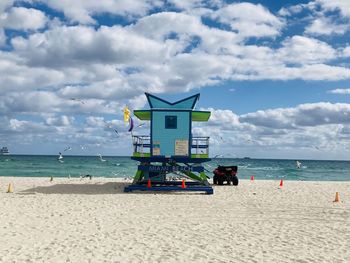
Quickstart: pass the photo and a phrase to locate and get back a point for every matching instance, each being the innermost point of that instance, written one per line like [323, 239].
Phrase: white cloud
[224, 118]
[116, 46]
[98, 125]
[303, 50]
[187, 5]
[312, 114]
[346, 52]
[108, 67]
[191, 5]
[46, 103]
[95, 121]
[325, 26]
[21, 18]
[64, 46]
[184, 30]
[319, 72]
[138, 102]
[341, 5]
[4, 4]
[325, 17]
[30, 102]
[306, 130]
[60, 121]
[2, 37]
[159, 26]
[345, 130]
[15, 75]
[249, 20]
[82, 11]
[326, 23]
[21, 126]
[291, 10]
[339, 91]
[109, 62]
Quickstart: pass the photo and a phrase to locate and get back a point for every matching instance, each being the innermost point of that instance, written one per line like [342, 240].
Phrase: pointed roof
[158, 103]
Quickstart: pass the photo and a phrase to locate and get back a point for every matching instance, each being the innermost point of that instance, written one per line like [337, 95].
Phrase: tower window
[170, 122]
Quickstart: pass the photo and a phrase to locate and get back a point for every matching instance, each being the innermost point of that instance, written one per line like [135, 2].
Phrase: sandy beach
[73, 220]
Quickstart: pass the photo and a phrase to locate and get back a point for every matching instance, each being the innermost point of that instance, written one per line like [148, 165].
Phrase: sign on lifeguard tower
[170, 150]
[181, 147]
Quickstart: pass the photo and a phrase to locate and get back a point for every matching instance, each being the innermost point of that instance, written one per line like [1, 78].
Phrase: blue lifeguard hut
[171, 149]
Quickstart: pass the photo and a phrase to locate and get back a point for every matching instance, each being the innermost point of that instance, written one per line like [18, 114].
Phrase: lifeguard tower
[170, 149]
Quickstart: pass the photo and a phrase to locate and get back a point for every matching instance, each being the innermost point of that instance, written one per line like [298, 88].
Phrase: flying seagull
[101, 159]
[68, 149]
[74, 99]
[60, 157]
[108, 125]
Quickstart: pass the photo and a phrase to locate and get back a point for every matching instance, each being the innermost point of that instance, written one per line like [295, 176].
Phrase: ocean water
[120, 167]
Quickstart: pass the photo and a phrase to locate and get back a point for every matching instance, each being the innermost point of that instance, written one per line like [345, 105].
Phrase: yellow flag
[126, 114]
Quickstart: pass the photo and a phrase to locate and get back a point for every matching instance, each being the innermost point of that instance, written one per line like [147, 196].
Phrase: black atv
[225, 173]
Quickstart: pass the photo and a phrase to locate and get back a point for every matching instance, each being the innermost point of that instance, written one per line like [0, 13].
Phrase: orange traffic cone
[252, 178]
[281, 183]
[337, 198]
[183, 185]
[149, 184]
[10, 188]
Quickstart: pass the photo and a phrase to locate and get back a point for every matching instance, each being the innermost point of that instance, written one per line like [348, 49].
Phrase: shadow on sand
[92, 188]
[83, 189]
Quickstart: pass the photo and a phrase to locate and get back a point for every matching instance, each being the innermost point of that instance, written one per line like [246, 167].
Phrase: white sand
[94, 221]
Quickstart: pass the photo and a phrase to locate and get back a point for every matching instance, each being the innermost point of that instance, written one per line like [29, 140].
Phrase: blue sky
[274, 74]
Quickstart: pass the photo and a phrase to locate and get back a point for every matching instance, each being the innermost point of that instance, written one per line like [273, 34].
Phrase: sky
[274, 74]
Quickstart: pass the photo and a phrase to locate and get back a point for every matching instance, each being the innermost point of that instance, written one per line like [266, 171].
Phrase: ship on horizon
[4, 151]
